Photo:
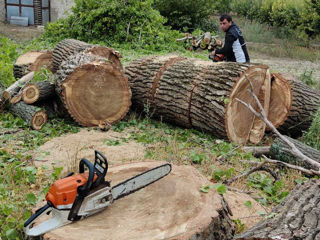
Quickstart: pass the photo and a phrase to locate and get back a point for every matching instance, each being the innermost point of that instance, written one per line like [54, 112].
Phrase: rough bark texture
[193, 93]
[69, 47]
[94, 91]
[297, 217]
[171, 208]
[38, 91]
[34, 117]
[305, 103]
[2, 101]
[281, 151]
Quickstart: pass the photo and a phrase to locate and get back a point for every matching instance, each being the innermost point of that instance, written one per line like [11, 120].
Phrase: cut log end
[38, 120]
[241, 124]
[103, 100]
[30, 93]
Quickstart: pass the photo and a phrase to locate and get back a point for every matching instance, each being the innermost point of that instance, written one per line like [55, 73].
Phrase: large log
[69, 47]
[293, 104]
[94, 90]
[281, 151]
[34, 116]
[16, 86]
[171, 208]
[297, 217]
[193, 93]
[38, 91]
[32, 61]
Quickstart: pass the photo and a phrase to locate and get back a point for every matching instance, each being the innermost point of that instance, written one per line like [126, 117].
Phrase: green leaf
[31, 198]
[205, 189]
[248, 204]
[221, 188]
[12, 234]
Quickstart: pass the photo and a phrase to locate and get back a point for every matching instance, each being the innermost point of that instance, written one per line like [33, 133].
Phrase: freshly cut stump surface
[201, 94]
[171, 208]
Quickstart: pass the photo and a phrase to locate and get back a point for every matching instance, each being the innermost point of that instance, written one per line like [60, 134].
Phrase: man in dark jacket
[234, 49]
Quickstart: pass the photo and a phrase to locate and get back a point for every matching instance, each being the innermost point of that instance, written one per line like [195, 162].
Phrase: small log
[15, 99]
[257, 151]
[293, 104]
[171, 208]
[33, 116]
[296, 217]
[281, 151]
[207, 38]
[38, 91]
[94, 91]
[16, 86]
[201, 94]
[68, 47]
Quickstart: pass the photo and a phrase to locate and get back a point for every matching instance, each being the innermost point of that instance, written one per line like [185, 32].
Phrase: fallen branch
[257, 151]
[262, 115]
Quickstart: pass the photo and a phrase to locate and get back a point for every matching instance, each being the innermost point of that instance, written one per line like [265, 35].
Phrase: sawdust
[66, 151]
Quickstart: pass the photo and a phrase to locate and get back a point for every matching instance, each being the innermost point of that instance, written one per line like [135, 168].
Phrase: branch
[262, 115]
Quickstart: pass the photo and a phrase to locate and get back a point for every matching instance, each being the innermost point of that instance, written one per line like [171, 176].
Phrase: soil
[20, 33]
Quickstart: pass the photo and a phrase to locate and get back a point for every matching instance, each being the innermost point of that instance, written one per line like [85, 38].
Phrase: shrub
[186, 15]
[8, 54]
[312, 137]
[310, 22]
[123, 21]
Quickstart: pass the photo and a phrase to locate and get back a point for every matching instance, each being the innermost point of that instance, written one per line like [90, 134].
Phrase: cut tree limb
[280, 150]
[38, 91]
[297, 217]
[33, 116]
[194, 93]
[16, 86]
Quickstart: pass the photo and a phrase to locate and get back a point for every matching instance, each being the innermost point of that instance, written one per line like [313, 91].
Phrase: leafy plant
[312, 136]
[221, 188]
[8, 54]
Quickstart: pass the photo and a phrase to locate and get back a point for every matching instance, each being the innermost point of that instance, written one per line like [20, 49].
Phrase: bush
[310, 22]
[8, 54]
[312, 137]
[130, 21]
[186, 15]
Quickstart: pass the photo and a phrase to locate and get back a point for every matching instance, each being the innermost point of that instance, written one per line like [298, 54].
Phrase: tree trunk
[281, 151]
[32, 61]
[16, 86]
[38, 91]
[94, 91]
[297, 217]
[293, 104]
[33, 116]
[171, 208]
[194, 93]
[69, 47]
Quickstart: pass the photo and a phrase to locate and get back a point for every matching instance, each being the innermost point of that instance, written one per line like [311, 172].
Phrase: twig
[260, 167]
[262, 115]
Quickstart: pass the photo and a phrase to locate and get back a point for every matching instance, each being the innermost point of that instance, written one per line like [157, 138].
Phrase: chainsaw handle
[100, 166]
[84, 189]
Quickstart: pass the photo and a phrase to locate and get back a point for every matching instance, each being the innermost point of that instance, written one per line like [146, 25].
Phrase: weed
[307, 77]
[239, 226]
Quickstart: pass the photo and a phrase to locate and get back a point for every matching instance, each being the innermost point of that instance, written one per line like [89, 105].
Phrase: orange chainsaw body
[64, 191]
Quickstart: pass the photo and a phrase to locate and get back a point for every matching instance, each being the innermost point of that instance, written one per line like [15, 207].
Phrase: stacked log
[296, 217]
[91, 83]
[193, 93]
[38, 91]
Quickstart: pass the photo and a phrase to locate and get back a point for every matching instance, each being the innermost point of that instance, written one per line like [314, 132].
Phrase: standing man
[234, 49]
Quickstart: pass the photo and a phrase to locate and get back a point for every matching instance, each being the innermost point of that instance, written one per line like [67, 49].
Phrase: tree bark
[38, 91]
[194, 93]
[281, 151]
[16, 86]
[68, 47]
[2, 101]
[297, 217]
[293, 104]
[171, 208]
[93, 90]
[33, 116]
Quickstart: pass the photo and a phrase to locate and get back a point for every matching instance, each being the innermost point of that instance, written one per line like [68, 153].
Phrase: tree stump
[69, 47]
[33, 116]
[171, 208]
[94, 90]
[194, 93]
[281, 151]
[293, 104]
[38, 91]
[297, 217]
[32, 61]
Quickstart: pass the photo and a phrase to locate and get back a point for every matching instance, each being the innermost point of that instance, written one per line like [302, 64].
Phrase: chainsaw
[75, 197]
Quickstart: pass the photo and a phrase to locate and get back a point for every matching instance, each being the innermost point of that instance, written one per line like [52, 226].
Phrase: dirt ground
[19, 33]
